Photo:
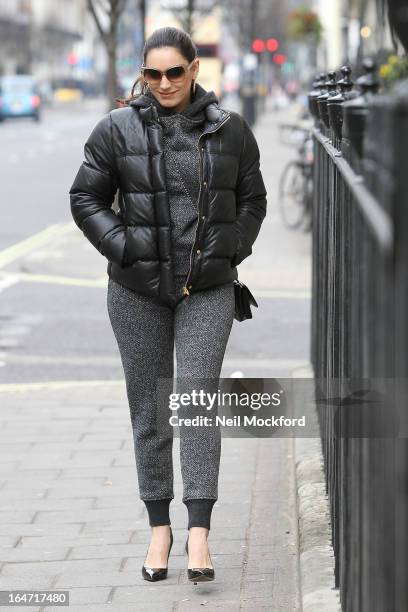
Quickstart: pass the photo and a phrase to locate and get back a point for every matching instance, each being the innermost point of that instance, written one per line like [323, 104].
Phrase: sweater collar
[204, 106]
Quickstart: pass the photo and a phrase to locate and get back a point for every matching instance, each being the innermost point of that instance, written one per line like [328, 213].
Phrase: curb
[316, 556]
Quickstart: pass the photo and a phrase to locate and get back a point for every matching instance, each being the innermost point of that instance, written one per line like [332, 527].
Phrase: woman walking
[191, 204]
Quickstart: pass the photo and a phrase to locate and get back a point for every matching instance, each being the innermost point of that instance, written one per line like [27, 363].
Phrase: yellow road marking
[8, 281]
[27, 245]
[102, 281]
[57, 385]
[60, 280]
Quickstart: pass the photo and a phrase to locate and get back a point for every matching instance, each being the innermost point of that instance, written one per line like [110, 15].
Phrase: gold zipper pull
[185, 291]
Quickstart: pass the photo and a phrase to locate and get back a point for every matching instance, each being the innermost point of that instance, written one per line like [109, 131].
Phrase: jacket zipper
[185, 288]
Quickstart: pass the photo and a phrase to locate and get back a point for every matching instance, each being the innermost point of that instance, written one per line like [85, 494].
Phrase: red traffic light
[279, 59]
[272, 44]
[258, 45]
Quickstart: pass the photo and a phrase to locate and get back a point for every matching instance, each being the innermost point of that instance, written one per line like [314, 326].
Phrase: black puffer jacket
[125, 152]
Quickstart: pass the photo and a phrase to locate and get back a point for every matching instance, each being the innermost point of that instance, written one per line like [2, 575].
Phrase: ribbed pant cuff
[158, 511]
[199, 512]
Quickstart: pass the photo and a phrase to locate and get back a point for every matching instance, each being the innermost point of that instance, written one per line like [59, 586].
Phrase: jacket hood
[195, 110]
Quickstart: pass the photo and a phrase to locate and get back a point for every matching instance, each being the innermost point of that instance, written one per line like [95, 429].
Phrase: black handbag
[243, 301]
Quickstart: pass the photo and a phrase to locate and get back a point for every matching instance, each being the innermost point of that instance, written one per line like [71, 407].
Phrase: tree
[108, 11]
[186, 11]
[256, 19]
[142, 11]
[398, 20]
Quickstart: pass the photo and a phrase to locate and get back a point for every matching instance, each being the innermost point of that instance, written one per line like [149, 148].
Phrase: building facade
[45, 37]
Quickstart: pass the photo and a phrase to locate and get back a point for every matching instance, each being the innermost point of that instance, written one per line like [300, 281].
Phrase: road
[49, 329]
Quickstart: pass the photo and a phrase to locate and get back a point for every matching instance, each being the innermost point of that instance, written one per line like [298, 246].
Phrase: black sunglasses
[174, 73]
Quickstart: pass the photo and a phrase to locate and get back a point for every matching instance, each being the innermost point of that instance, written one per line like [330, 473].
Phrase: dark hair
[164, 37]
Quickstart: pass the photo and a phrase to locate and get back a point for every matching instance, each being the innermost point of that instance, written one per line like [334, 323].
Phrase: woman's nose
[166, 83]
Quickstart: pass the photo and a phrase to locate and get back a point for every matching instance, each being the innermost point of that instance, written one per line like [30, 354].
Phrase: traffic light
[258, 45]
[279, 59]
[272, 45]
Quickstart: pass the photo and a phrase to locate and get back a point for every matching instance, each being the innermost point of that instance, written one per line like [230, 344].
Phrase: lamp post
[248, 87]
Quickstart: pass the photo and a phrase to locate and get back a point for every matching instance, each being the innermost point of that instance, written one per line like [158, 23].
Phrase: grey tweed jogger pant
[146, 332]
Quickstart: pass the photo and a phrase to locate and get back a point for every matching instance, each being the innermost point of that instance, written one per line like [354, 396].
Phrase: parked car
[19, 97]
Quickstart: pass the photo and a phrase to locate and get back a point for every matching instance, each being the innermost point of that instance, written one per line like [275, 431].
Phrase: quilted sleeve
[250, 197]
[93, 192]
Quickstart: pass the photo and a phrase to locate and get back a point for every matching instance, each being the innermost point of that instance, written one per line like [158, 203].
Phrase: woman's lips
[167, 94]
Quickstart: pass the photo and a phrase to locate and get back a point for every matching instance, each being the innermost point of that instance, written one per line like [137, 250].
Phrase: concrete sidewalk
[70, 514]
[71, 517]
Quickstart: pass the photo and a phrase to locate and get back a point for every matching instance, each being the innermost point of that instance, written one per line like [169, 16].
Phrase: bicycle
[296, 181]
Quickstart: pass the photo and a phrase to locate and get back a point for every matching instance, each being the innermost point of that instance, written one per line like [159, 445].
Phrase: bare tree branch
[104, 5]
[116, 7]
[191, 11]
[112, 10]
[113, 6]
[94, 14]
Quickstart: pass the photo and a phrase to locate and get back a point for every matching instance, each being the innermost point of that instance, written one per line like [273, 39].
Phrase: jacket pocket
[141, 243]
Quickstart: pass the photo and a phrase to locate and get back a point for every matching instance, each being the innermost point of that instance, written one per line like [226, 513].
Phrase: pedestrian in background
[191, 204]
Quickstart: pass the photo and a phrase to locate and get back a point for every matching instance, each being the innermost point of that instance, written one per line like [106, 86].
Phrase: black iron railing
[360, 331]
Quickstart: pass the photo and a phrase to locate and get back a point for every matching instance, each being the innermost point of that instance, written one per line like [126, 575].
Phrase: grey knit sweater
[181, 132]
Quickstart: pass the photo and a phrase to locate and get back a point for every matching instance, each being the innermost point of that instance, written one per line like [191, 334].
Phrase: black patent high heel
[199, 574]
[157, 573]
